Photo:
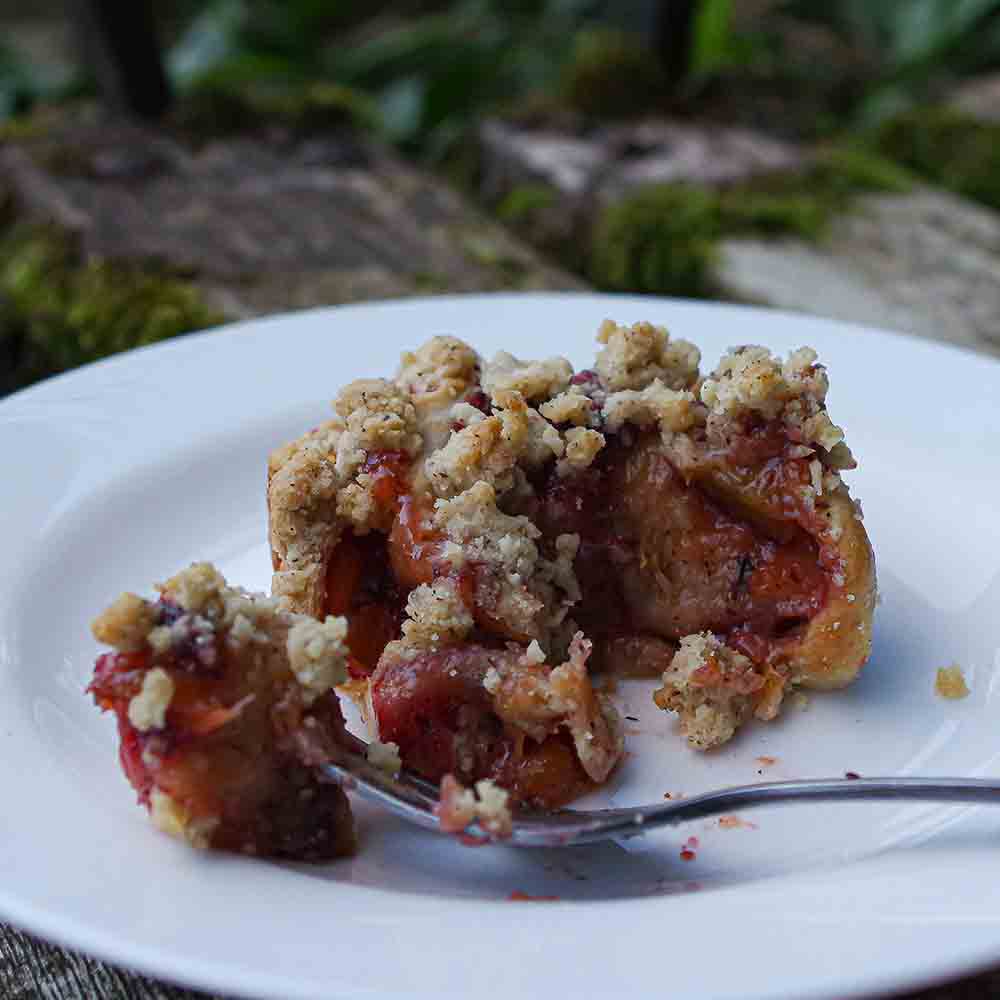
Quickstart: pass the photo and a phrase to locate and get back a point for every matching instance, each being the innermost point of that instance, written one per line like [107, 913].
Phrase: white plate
[122, 472]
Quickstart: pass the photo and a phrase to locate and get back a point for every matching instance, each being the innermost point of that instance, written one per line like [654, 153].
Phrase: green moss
[850, 168]
[952, 149]
[483, 249]
[521, 205]
[217, 108]
[611, 74]
[659, 240]
[61, 312]
[664, 238]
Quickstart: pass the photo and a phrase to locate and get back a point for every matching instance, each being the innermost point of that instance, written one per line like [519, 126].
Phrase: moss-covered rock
[951, 148]
[664, 238]
[59, 312]
[217, 107]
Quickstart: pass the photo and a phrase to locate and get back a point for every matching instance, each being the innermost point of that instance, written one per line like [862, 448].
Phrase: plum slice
[485, 712]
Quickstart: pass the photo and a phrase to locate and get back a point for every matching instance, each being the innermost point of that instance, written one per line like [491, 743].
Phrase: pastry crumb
[950, 683]
[734, 822]
[384, 756]
[148, 709]
[487, 803]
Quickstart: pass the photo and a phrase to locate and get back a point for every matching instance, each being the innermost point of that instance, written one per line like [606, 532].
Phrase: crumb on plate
[950, 683]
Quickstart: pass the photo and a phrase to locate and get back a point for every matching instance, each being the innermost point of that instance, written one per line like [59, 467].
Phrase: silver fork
[414, 799]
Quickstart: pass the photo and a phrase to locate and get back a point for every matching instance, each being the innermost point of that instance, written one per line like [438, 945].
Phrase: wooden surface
[262, 223]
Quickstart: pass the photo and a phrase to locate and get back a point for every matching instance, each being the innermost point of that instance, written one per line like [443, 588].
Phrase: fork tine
[414, 799]
[403, 796]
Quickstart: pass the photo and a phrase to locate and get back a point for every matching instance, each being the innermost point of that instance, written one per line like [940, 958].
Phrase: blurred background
[164, 170]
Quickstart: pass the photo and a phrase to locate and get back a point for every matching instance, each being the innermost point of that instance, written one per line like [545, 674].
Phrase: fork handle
[601, 824]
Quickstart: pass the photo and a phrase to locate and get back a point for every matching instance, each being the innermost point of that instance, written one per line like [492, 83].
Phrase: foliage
[911, 45]
[950, 148]
[22, 84]
[611, 74]
[427, 75]
[60, 312]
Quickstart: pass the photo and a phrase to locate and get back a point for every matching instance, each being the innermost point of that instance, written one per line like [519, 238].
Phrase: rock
[979, 98]
[608, 162]
[263, 222]
[924, 263]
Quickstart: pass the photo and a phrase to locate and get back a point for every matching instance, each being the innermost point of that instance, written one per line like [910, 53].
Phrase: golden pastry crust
[838, 640]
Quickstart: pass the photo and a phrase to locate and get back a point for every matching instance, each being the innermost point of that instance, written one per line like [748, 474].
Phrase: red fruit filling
[662, 555]
[235, 749]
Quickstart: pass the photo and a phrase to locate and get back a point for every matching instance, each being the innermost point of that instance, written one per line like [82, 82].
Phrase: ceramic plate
[122, 472]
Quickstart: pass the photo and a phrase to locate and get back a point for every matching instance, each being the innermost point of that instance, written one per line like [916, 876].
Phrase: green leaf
[402, 108]
[711, 48]
[210, 40]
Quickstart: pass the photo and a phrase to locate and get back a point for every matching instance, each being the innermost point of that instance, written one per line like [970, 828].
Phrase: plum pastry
[469, 550]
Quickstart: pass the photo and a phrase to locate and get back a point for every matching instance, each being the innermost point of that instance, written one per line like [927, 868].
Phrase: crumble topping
[490, 449]
[436, 616]
[656, 403]
[582, 446]
[464, 414]
[379, 416]
[317, 655]
[711, 688]
[532, 379]
[488, 804]
[949, 683]
[209, 610]
[633, 356]
[198, 589]
[438, 372]
[571, 407]
[751, 380]
[520, 586]
[125, 624]
[148, 709]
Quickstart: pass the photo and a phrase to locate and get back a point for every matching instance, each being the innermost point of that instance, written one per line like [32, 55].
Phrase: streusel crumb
[711, 688]
[750, 380]
[949, 682]
[436, 616]
[656, 404]
[488, 804]
[379, 416]
[534, 380]
[635, 355]
[317, 655]
[570, 407]
[582, 446]
[439, 372]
